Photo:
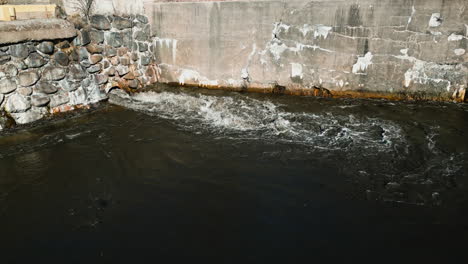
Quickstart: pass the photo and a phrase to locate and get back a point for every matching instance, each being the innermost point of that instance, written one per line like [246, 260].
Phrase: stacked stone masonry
[38, 78]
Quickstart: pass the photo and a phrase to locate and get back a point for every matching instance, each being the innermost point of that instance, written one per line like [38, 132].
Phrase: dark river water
[186, 175]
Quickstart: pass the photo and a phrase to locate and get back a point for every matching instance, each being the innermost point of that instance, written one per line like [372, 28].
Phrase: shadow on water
[239, 177]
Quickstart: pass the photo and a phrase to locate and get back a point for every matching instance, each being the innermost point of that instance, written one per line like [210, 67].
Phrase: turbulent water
[185, 172]
[403, 155]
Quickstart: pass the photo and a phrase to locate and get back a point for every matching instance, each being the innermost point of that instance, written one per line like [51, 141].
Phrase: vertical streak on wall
[214, 37]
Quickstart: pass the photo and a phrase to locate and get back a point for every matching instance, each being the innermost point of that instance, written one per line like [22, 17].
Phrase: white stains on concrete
[194, 77]
[413, 73]
[300, 47]
[322, 31]
[169, 44]
[466, 33]
[297, 70]
[306, 29]
[245, 71]
[319, 30]
[436, 20]
[422, 70]
[455, 37]
[341, 84]
[459, 52]
[277, 49]
[363, 63]
[410, 19]
[234, 83]
[404, 51]
[279, 27]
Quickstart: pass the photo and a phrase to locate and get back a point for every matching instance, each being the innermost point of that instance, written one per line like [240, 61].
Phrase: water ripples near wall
[395, 158]
[251, 118]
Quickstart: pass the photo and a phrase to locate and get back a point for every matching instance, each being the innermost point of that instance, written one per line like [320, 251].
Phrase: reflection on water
[193, 173]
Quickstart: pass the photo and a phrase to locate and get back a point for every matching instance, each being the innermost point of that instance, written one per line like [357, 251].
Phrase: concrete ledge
[35, 30]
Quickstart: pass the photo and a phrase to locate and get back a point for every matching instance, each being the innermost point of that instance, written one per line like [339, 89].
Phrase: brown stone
[95, 58]
[115, 61]
[125, 60]
[129, 76]
[94, 48]
[110, 71]
[133, 84]
[122, 51]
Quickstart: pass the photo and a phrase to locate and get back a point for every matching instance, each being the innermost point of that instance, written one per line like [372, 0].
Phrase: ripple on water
[251, 118]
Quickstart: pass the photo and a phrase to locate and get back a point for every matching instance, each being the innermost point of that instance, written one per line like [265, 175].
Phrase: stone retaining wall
[38, 78]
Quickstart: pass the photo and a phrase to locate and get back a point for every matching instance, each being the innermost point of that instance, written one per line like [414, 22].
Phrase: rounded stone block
[17, 103]
[51, 73]
[20, 51]
[35, 61]
[100, 22]
[95, 58]
[122, 23]
[59, 99]
[26, 91]
[94, 49]
[95, 68]
[8, 70]
[142, 19]
[96, 36]
[76, 72]
[40, 100]
[28, 78]
[114, 39]
[46, 47]
[45, 88]
[7, 86]
[61, 58]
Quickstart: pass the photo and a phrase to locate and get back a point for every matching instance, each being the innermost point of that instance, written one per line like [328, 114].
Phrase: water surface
[238, 177]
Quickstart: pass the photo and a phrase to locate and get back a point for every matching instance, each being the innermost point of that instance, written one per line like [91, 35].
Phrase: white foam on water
[245, 117]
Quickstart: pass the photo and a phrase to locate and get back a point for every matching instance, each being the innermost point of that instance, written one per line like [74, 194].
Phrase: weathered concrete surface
[396, 46]
[35, 30]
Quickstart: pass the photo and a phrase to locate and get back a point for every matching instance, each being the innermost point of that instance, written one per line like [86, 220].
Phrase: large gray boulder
[96, 36]
[28, 78]
[95, 68]
[142, 19]
[26, 91]
[52, 73]
[122, 23]
[76, 72]
[29, 116]
[46, 47]
[114, 39]
[83, 38]
[45, 88]
[35, 61]
[40, 100]
[8, 70]
[7, 86]
[61, 58]
[83, 54]
[100, 22]
[69, 86]
[59, 99]
[17, 103]
[20, 51]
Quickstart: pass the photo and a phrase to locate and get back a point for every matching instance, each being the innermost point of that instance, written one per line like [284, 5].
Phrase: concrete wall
[373, 45]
